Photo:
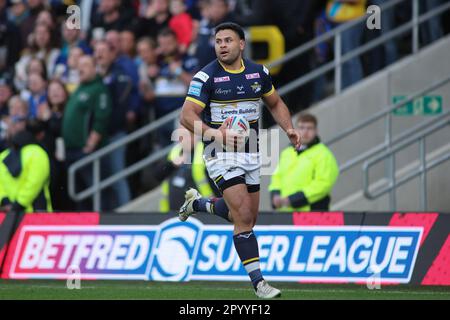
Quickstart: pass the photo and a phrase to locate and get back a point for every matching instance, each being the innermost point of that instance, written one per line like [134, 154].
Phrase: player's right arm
[197, 98]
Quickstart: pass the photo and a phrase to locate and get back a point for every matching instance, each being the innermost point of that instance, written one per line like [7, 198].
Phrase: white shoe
[187, 208]
[265, 291]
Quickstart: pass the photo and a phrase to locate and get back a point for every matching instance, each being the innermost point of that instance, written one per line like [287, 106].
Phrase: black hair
[231, 26]
[165, 32]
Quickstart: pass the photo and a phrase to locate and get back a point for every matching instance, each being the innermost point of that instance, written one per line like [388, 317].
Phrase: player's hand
[294, 137]
[232, 140]
[276, 201]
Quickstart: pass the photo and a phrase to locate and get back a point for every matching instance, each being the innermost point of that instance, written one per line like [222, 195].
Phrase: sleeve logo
[195, 88]
[202, 76]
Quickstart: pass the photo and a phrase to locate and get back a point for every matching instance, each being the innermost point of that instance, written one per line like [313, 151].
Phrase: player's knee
[245, 214]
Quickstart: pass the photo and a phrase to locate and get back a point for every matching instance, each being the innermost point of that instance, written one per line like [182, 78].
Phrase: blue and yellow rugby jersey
[223, 93]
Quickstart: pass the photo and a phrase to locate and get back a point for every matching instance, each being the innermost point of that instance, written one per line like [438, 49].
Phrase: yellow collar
[241, 69]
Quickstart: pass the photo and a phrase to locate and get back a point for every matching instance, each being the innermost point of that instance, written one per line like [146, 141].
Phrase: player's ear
[242, 44]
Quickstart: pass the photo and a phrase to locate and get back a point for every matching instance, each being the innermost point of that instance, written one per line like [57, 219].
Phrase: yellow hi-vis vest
[198, 174]
[31, 187]
[313, 172]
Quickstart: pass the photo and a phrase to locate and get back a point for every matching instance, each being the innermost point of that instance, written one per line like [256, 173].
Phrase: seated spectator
[119, 85]
[304, 177]
[175, 73]
[91, 100]
[181, 23]
[24, 174]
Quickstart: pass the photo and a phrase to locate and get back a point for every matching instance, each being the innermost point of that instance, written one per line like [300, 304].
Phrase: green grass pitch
[52, 289]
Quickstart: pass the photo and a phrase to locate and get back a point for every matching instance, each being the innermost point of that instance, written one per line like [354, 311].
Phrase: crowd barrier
[326, 247]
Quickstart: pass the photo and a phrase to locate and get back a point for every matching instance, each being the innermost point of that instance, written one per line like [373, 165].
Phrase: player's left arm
[282, 116]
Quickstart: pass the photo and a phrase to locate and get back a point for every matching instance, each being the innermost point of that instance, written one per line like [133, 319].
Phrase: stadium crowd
[129, 63]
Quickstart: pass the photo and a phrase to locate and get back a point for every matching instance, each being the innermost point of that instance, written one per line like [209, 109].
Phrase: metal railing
[393, 184]
[94, 159]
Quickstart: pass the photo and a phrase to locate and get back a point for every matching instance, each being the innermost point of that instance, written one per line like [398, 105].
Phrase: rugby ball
[239, 124]
[239, 127]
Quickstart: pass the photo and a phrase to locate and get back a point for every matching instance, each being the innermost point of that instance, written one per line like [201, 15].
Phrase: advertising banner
[301, 247]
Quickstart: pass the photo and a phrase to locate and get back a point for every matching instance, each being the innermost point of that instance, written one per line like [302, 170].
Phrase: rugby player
[231, 85]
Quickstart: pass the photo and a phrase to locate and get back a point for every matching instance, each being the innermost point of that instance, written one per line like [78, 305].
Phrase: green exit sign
[426, 105]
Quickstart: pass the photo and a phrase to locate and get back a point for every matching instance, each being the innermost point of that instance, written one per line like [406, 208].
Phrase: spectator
[387, 53]
[432, 29]
[9, 41]
[24, 174]
[50, 114]
[181, 23]
[6, 91]
[148, 68]
[127, 44]
[130, 68]
[34, 65]
[68, 73]
[216, 12]
[17, 12]
[157, 17]
[119, 85]
[342, 11]
[42, 48]
[29, 23]
[38, 93]
[90, 100]
[71, 39]
[109, 16]
[304, 178]
[175, 73]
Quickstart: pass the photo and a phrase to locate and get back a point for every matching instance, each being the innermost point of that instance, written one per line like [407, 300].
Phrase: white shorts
[226, 166]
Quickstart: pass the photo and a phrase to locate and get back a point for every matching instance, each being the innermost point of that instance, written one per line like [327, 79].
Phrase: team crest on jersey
[250, 76]
[221, 79]
[256, 87]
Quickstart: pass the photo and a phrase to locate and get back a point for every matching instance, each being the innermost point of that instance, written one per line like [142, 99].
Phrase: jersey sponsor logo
[240, 89]
[222, 91]
[195, 88]
[252, 76]
[202, 76]
[221, 79]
